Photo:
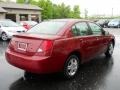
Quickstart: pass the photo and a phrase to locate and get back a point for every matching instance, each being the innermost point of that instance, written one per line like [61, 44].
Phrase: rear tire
[71, 66]
[110, 49]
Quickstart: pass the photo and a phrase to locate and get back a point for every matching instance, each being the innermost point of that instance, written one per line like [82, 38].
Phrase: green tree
[76, 11]
[26, 1]
[46, 5]
[20, 1]
[64, 11]
[53, 11]
[61, 11]
[2, 1]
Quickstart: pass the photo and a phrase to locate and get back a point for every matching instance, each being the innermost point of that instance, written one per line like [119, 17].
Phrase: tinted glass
[115, 20]
[96, 30]
[48, 27]
[82, 28]
[74, 31]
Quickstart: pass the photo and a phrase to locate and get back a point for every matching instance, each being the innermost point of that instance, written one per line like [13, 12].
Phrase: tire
[109, 51]
[71, 66]
[4, 37]
[118, 26]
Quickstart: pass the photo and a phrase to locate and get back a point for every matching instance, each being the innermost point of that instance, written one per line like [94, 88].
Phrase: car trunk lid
[28, 44]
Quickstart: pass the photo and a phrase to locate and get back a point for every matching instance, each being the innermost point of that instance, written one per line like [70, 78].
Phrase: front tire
[4, 37]
[118, 26]
[110, 49]
[71, 67]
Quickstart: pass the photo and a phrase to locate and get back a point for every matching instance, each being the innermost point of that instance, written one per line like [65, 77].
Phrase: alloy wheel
[4, 37]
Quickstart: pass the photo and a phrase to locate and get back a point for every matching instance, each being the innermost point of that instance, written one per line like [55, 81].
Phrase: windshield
[115, 20]
[9, 24]
[48, 27]
[101, 21]
[31, 22]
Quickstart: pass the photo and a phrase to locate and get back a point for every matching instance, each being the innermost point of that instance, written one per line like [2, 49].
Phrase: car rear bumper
[34, 64]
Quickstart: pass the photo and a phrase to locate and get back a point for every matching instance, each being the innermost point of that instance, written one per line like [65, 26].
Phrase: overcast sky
[94, 6]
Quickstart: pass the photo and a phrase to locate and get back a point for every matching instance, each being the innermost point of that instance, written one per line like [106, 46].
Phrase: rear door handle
[81, 40]
[97, 38]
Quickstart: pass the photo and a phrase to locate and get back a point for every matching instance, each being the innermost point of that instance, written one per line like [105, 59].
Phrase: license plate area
[22, 46]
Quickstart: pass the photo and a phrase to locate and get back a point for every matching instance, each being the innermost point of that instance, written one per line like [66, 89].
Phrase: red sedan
[59, 46]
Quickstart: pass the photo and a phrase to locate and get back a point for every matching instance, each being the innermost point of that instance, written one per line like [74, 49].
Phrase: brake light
[46, 45]
[45, 48]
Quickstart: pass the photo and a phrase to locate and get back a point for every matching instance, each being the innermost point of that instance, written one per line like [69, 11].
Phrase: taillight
[45, 48]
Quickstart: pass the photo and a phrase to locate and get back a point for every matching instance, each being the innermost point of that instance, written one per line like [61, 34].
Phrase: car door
[86, 41]
[97, 33]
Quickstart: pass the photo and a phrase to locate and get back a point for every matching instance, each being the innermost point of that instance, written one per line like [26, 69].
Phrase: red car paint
[56, 48]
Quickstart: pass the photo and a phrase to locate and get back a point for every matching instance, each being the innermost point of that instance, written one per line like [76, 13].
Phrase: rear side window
[96, 30]
[48, 27]
[82, 28]
[75, 31]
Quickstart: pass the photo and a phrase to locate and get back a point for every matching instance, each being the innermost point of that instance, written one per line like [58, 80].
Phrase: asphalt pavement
[99, 74]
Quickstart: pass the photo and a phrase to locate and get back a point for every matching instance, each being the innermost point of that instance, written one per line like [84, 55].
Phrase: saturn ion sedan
[59, 45]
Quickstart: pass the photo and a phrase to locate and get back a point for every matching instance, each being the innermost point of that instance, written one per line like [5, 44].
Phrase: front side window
[96, 30]
[74, 31]
[80, 29]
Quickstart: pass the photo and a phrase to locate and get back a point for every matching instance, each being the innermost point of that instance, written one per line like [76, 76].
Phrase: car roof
[68, 20]
[5, 20]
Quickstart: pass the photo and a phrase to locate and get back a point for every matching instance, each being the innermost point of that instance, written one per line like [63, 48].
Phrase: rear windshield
[47, 27]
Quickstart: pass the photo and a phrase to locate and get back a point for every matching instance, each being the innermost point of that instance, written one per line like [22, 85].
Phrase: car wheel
[71, 66]
[4, 36]
[109, 51]
[118, 26]
[104, 26]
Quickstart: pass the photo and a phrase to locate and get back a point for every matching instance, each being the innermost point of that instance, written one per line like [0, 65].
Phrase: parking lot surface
[99, 74]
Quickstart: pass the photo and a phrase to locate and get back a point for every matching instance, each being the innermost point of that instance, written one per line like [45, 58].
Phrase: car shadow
[91, 76]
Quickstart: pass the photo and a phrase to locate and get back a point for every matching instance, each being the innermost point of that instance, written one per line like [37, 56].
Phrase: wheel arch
[113, 41]
[78, 53]
[2, 33]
